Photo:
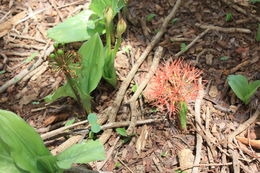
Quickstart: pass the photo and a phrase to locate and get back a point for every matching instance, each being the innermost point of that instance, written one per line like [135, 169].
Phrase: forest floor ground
[155, 147]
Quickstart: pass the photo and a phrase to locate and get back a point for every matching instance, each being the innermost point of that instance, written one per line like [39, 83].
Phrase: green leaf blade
[239, 85]
[81, 153]
[92, 54]
[23, 142]
[73, 29]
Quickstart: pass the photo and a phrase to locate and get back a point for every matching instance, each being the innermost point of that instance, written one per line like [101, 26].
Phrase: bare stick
[24, 72]
[192, 43]
[60, 130]
[120, 95]
[198, 136]
[126, 123]
[239, 9]
[133, 99]
[202, 165]
[217, 28]
[244, 126]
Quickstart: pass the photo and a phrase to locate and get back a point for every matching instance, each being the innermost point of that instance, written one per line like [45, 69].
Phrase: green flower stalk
[121, 28]
[108, 14]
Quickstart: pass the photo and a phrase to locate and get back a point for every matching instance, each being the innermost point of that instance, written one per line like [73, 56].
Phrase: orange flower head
[173, 83]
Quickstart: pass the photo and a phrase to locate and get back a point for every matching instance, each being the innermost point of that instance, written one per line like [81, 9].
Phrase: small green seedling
[95, 127]
[258, 33]
[174, 21]
[150, 17]
[35, 103]
[2, 71]
[183, 46]
[224, 58]
[69, 122]
[122, 132]
[228, 17]
[243, 90]
[163, 154]
[31, 57]
[134, 88]
[117, 164]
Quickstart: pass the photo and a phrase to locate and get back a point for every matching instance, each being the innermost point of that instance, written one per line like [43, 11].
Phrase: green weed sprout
[242, 88]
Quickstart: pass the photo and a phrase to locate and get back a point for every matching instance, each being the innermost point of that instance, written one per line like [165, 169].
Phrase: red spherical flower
[173, 83]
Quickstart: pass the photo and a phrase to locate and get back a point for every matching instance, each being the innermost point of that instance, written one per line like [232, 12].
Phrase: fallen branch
[217, 28]
[120, 95]
[244, 126]
[103, 127]
[24, 72]
[191, 43]
[133, 99]
[202, 165]
[239, 9]
[198, 120]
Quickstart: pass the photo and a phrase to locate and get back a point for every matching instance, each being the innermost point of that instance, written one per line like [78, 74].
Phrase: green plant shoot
[183, 114]
[243, 90]
[228, 17]
[258, 33]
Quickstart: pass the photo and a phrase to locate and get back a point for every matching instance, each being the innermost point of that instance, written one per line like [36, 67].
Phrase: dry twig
[198, 120]
[217, 28]
[133, 99]
[120, 95]
[192, 43]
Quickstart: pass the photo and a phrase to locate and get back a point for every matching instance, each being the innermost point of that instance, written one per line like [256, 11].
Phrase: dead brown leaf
[55, 118]
[253, 143]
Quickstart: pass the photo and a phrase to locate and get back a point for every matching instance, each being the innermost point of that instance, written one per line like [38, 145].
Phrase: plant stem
[73, 87]
[108, 36]
[118, 43]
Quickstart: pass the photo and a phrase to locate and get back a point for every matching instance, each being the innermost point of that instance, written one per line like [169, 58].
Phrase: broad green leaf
[92, 118]
[98, 6]
[253, 86]
[62, 91]
[6, 161]
[109, 73]
[24, 144]
[243, 90]
[183, 114]
[74, 28]
[92, 54]
[239, 85]
[121, 131]
[85, 101]
[81, 153]
[95, 127]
